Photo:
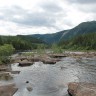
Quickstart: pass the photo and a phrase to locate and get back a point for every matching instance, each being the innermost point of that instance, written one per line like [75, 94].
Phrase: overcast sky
[43, 16]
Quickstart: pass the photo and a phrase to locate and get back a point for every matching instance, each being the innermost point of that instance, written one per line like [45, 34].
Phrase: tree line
[20, 42]
[81, 42]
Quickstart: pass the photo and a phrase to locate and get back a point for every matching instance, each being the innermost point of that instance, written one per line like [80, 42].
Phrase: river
[52, 80]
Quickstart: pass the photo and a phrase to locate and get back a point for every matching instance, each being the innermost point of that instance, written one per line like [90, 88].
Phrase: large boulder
[8, 90]
[81, 89]
[25, 63]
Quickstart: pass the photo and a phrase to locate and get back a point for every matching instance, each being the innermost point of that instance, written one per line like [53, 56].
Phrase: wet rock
[35, 59]
[25, 63]
[23, 58]
[82, 89]
[5, 76]
[4, 68]
[8, 90]
[48, 61]
[57, 55]
[15, 72]
[29, 88]
[62, 67]
[27, 81]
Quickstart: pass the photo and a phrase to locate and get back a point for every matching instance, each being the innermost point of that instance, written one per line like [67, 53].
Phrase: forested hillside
[82, 28]
[20, 42]
[82, 42]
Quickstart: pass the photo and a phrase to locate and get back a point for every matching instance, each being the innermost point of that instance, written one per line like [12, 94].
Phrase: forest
[81, 42]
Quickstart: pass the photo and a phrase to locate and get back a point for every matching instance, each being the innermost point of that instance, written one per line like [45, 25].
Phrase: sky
[43, 16]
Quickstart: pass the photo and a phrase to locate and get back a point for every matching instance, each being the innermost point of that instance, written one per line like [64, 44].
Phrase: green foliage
[20, 42]
[56, 49]
[5, 51]
[41, 48]
[82, 42]
[27, 54]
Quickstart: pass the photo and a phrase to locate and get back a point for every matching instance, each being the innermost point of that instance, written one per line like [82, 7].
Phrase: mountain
[50, 38]
[82, 28]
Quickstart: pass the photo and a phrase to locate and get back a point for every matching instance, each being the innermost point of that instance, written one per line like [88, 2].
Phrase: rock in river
[25, 63]
[81, 89]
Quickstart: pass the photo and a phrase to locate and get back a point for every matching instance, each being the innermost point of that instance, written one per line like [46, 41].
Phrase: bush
[5, 51]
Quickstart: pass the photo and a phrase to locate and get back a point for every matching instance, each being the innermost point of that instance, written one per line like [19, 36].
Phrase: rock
[15, 72]
[5, 76]
[4, 68]
[35, 59]
[27, 81]
[62, 67]
[57, 55]
[25, 63]
[8, 90]
[81, 89]
[48, 61]
[29, 88]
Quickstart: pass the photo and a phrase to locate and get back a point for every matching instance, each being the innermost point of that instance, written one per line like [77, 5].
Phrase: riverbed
[52, 80]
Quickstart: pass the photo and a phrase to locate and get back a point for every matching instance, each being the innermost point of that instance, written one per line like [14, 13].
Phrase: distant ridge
[82, 28]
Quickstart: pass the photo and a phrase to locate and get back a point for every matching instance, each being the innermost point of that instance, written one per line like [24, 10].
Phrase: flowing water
[52, 80]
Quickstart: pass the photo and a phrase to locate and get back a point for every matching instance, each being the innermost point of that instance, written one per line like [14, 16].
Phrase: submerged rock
[81, 89]
[15, 72]
[27, 81]
[29, 88]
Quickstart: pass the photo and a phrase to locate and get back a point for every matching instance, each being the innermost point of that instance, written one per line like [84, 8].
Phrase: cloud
[25, 17]
[21, 16]
[87, 8]
[51, 7]
[41, 16]
[82, 1]
[17, 20]
[35, 19]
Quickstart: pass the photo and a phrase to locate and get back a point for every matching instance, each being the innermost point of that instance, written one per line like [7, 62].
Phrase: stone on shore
[8, 90]
[5, 76]
[81, 89]
[4, 68]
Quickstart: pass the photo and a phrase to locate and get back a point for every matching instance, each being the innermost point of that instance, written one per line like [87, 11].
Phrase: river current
[52, 80]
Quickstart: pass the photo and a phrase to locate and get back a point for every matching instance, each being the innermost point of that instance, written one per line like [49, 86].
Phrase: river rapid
[52, 80]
